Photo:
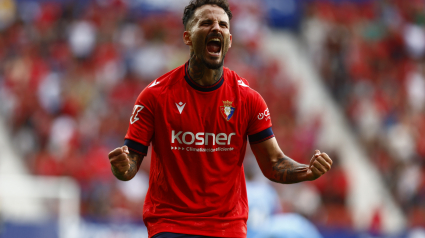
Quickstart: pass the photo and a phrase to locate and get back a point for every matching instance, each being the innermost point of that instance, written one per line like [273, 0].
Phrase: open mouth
[214, 46]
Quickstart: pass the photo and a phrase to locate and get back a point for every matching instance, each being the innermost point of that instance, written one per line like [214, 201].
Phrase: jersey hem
[197, 232]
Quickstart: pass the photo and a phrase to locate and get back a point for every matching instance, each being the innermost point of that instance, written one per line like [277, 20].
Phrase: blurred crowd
[371, 55]
[70, 73]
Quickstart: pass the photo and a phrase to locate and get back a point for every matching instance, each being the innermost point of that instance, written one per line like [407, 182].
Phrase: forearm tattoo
[286, 170]
[135, 162]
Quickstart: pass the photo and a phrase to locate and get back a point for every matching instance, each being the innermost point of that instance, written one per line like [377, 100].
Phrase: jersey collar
[198, 87]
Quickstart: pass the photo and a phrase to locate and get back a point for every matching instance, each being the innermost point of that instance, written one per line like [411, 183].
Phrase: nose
[216, 26]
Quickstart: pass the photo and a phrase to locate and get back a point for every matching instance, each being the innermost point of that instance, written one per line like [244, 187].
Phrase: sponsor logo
[153, 84]
[241, 83]
[227, 110]
[200, 138]
[194, 149]
[180, 107]
[265, 114]
[134, 117]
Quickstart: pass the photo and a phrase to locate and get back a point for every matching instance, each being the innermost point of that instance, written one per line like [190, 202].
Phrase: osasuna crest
[227, 110]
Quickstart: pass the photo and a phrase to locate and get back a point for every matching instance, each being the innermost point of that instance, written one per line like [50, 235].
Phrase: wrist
[310, 176]
[121, 175]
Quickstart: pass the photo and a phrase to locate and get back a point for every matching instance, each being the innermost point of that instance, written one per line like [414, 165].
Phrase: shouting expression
[209, 36]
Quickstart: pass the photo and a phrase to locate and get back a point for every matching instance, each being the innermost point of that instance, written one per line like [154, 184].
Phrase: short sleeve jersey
[199, 136]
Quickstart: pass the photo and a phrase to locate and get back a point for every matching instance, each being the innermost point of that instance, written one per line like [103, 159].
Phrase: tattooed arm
[124, 163]
[279, 168]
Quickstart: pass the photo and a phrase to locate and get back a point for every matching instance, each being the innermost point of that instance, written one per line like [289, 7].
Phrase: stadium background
[70, 72]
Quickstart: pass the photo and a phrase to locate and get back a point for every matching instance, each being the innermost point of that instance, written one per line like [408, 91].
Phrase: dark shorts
[177, 235]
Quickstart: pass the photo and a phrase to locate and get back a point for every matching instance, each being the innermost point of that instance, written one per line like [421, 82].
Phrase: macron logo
[153, 84]
[240, 82]
[180, 106]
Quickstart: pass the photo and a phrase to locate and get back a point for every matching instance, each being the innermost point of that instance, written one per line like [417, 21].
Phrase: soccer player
[198, 118]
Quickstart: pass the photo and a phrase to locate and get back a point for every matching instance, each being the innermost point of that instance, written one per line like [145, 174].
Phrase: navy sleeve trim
[136, 147]
[261, 136]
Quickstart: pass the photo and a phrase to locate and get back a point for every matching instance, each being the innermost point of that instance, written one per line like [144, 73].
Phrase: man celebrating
[198, 118]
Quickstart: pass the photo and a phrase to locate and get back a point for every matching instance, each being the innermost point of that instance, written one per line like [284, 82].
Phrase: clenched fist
[320, 164]
[119, 160]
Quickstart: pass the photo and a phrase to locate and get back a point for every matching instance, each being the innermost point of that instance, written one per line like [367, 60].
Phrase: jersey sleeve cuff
[261, 136]
[136, 147]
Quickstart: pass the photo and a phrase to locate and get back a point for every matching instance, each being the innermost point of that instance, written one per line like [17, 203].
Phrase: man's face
[209, 35]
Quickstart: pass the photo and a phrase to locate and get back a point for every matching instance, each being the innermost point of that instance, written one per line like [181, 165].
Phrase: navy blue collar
[198, 87]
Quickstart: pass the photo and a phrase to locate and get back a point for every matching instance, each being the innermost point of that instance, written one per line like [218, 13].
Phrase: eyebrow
[209, 20]
[225, 22]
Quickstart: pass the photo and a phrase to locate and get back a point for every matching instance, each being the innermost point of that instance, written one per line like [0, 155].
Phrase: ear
[187, 38]
[230, 43]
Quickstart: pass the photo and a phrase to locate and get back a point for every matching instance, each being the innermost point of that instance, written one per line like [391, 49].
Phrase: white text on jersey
[265, 114]
[201, 138]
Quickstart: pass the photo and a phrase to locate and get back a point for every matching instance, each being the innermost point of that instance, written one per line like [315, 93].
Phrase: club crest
[227, 110]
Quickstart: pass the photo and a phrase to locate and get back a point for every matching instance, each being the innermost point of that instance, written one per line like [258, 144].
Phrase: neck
[201, 74]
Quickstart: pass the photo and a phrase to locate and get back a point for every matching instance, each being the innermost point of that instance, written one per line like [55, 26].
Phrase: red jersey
[199, 136]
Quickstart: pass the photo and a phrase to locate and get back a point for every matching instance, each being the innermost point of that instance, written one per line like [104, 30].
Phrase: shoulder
[161, 83]
[241, 83]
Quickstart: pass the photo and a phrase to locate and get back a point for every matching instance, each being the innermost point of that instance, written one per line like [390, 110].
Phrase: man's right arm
[279, 168]
[125, 163]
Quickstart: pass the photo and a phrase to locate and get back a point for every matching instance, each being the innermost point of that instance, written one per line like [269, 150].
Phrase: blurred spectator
[7, 13]
[372, 60]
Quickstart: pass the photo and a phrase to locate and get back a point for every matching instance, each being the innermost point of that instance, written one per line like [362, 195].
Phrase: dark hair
[190, 9]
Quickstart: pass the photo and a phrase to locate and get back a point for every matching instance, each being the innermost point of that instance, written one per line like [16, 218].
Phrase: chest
[217, 111]
[213, 118]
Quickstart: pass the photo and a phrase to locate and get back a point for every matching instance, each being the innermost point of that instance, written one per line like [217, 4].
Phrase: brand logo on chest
[227, 110]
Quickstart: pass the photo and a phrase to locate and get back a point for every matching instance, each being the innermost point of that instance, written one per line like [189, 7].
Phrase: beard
[214, 65]
[201, 55]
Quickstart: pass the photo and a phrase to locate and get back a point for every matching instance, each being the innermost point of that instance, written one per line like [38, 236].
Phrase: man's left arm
[279, 168]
